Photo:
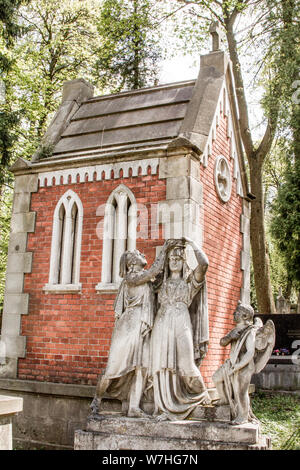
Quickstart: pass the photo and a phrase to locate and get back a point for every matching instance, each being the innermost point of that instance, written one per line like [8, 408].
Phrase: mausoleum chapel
[114, 173]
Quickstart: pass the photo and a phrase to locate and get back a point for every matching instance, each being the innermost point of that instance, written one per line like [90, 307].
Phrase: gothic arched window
[66, 244]
[119, 234]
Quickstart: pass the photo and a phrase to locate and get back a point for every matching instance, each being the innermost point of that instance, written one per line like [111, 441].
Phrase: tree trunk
[260, 257]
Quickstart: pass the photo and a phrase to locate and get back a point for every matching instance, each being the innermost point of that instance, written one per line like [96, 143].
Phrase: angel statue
[129, 356]
[251, 347]
[180, 335]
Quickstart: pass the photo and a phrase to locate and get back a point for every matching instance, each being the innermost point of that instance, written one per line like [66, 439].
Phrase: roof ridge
[140, 91]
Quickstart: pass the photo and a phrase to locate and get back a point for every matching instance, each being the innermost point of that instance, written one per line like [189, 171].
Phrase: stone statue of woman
[180, 336]
[128, 362]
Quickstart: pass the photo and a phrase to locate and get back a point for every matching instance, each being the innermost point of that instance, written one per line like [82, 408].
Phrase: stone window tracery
[64, 274]
[119, 234]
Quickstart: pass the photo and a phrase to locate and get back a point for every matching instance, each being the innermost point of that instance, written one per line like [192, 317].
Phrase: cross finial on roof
[216, 33]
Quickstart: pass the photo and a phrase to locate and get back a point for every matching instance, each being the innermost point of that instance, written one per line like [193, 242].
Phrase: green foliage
[5, 216]
[129, 51]
[59, 45]
[285, 223]
[279, 415]
[282, 170]
[9, 118]
[9, 27]
[46, 151]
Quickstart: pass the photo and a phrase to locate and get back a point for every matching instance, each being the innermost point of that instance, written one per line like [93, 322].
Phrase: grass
[279, 415]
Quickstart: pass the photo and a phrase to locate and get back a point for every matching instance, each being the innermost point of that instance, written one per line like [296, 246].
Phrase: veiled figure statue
[251, 347]
[180, 336]
[129, 356]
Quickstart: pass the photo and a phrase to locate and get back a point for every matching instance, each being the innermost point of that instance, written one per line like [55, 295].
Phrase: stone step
[88, 440]
[189, 429]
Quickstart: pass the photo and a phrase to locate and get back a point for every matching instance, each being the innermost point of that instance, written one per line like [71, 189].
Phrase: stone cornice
[22, 167]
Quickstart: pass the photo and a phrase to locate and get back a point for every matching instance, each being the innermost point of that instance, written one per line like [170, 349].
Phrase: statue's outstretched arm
[157, 266]
[200, 270]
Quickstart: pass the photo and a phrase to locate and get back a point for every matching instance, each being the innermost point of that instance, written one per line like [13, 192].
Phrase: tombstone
[282, 305]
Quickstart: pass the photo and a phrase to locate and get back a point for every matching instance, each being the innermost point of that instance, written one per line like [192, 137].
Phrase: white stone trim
[222, 168]
[107, 288]
[19, 262]
[62, 288]
[97, 172]
[69, 252]
[245, 252]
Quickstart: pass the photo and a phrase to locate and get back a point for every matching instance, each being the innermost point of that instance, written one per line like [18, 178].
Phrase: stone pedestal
[117, 432]
[208, 428]
[8, 407]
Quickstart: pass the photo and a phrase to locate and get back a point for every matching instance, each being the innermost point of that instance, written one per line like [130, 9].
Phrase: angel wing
[264, 343]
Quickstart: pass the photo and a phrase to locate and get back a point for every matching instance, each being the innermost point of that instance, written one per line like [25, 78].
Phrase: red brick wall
[222, 242]
[68, 335]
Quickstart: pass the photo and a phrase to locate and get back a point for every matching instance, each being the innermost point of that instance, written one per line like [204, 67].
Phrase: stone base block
[116, 432]
[8, 407]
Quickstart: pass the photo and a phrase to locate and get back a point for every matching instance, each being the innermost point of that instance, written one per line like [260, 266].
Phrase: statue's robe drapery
[238, 349]
[130, 348]
[177, 382]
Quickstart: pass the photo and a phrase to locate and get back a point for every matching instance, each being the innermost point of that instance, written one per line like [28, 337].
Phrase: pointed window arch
[119, 234]
[64, 274]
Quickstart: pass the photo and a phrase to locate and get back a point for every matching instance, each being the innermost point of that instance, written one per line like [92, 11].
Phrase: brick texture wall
[222, 242]
[68, 335]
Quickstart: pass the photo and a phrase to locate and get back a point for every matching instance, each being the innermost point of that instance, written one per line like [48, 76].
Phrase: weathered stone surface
[251, 344]
[16, 303]
[26, 184]
[92, 441]
[212, 413]
[180, 165]
[23, 222]
[125, 119]
[187, 429]
[148, 98]
[5, 433]
[77, 90]
[11, 324]
[8, 407]
[17, 243]
[245, 224]
[184, 187]
[118, 433]
[48, 388]
[14, 283]
[19, 263]
[284, 377]
[15, 345]
[21, 202]
[51, 412]
[118, 136]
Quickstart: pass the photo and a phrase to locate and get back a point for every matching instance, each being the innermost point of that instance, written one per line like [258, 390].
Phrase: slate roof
[150, 117]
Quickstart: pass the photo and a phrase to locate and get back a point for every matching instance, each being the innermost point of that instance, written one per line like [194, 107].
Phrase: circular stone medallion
[222, 178]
